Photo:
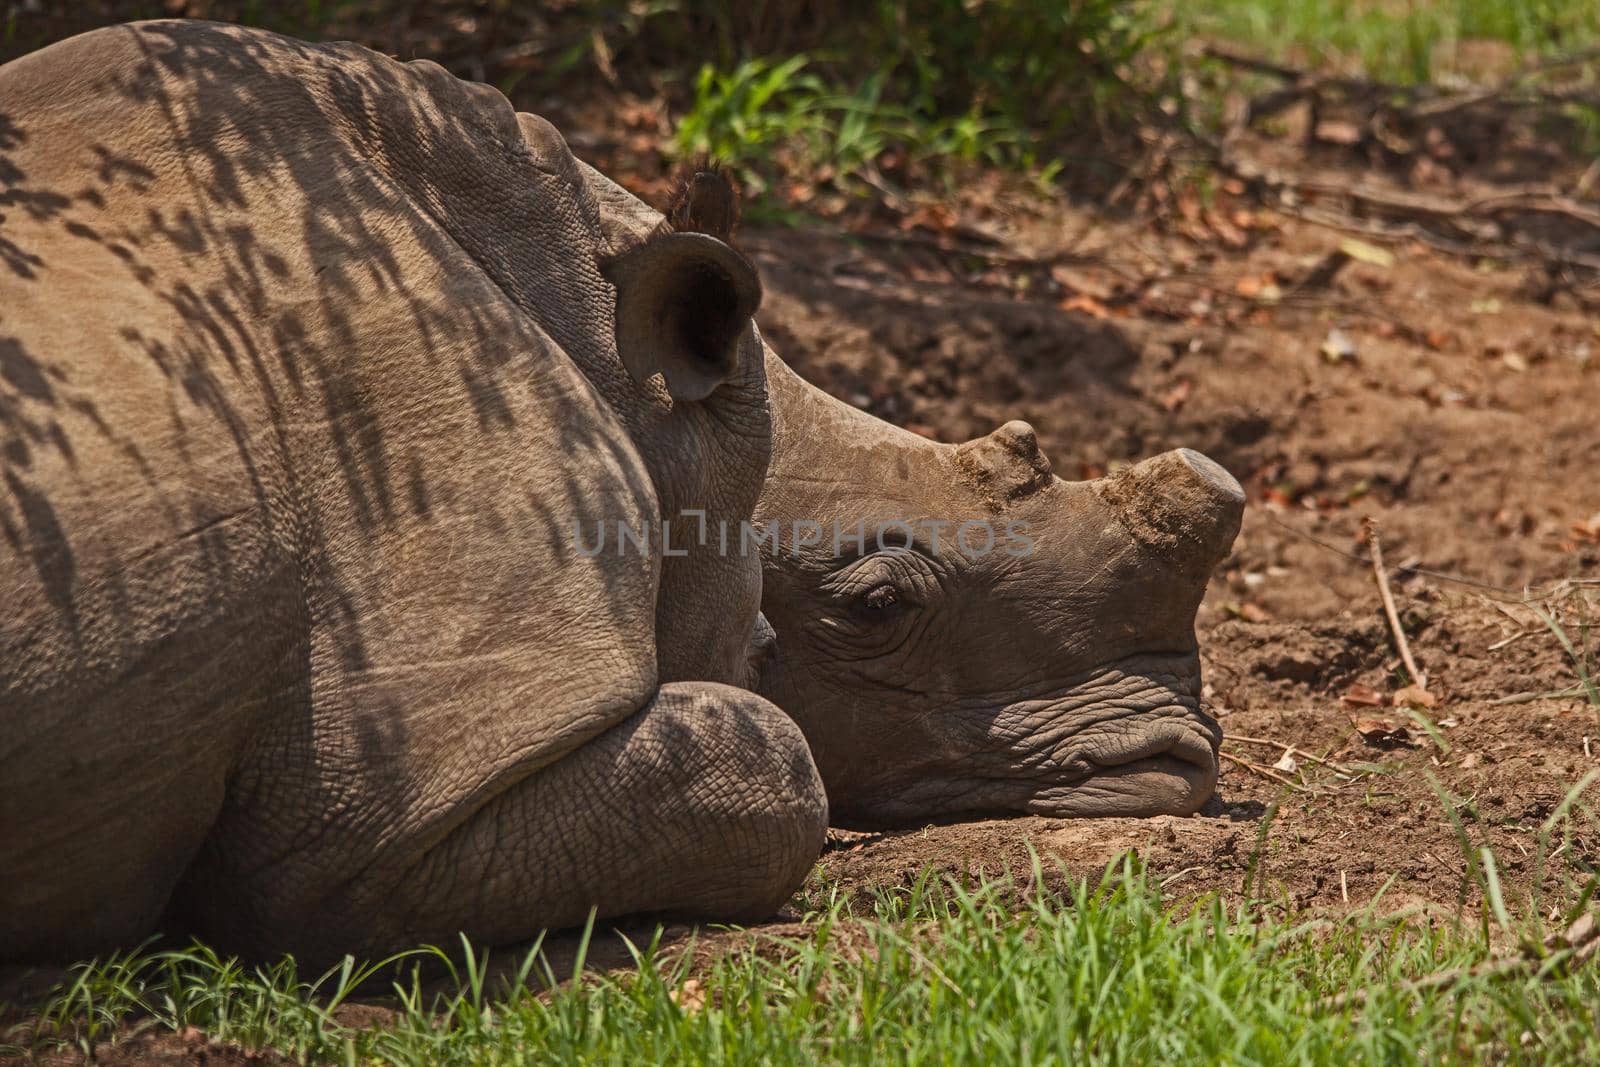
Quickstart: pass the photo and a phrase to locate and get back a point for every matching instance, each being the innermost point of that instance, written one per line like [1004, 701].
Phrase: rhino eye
[881, 597]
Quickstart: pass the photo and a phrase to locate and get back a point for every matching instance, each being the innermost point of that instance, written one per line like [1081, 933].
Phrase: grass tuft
[1104, 971]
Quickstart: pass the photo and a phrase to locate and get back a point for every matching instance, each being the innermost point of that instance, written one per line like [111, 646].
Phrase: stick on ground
[1418, 679]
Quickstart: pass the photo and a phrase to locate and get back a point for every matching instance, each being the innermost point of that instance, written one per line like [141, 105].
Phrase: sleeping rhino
[959, 632]
[962, 633]
[310, 364]
[313, 367]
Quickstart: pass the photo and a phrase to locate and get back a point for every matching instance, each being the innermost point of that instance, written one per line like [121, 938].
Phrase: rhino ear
[684, 301]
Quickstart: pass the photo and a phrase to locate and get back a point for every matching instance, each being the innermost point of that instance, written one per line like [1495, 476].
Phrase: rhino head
[969, 634]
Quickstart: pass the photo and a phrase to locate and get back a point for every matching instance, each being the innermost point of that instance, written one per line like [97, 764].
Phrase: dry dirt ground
[1456, 403]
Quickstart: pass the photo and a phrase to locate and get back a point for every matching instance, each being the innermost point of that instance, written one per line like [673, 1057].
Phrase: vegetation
[876, 95]
[1412, 41]
[1103, 972]
[861, 93]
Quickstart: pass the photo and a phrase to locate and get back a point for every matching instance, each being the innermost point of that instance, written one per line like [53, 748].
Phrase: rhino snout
[1180, 503]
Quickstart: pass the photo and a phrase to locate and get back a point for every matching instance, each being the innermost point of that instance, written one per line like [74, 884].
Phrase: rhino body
[313, 365]
[309, 370]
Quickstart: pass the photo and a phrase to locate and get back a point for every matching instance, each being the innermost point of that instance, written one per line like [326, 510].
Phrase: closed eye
[881, 597]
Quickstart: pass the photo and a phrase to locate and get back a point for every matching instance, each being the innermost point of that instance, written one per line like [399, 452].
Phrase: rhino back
[299, 355]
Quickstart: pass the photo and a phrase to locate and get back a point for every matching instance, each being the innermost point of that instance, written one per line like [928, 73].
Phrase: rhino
[311, 362]
[313, 368]
[961, 633]
[975, 636]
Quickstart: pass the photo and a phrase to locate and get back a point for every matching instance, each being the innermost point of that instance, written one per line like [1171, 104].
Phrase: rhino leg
[705, 802]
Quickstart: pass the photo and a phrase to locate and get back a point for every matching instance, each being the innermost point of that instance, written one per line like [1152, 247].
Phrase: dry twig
[1265, 772]
[1418, 679]
[1292, 750]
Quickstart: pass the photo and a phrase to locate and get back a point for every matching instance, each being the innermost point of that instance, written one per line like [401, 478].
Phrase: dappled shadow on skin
[193, 346]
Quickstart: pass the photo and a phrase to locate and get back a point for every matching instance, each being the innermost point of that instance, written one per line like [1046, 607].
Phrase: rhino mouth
[1128, 740]
[1171, 769]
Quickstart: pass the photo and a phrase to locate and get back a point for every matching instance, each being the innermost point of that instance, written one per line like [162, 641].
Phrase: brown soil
[1464, 421]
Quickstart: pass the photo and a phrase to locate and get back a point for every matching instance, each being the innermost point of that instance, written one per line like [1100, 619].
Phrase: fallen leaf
[1366, 253]
[935, 217]
[1362, 696]
[1414, 696]
[1381, 732]
[1179, 393]
[1247, 612]
[1333, 131]
[1229, 234]
[1338, 346]
[1085, 303]
[1514, 361]
[690, 997]
[1286, 764]
[1278, 497]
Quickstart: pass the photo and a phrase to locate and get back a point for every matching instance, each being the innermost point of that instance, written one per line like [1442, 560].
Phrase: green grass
[1397, 40]
[901, 83]
[1107, 972]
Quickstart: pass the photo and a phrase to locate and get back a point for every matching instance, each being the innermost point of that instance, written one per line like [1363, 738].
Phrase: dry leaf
[1378, 257]
[1338, 346]
[1382, 733]
[690, 996]
[1414, 696]
[1247, 612]
[1334, 131]
[1178, 394]
[1086, 304]
[1363, 696]
[1286, 764]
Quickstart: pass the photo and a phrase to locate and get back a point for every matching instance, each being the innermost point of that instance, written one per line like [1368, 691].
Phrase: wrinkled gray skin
[1056, 673]
[310, 361]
